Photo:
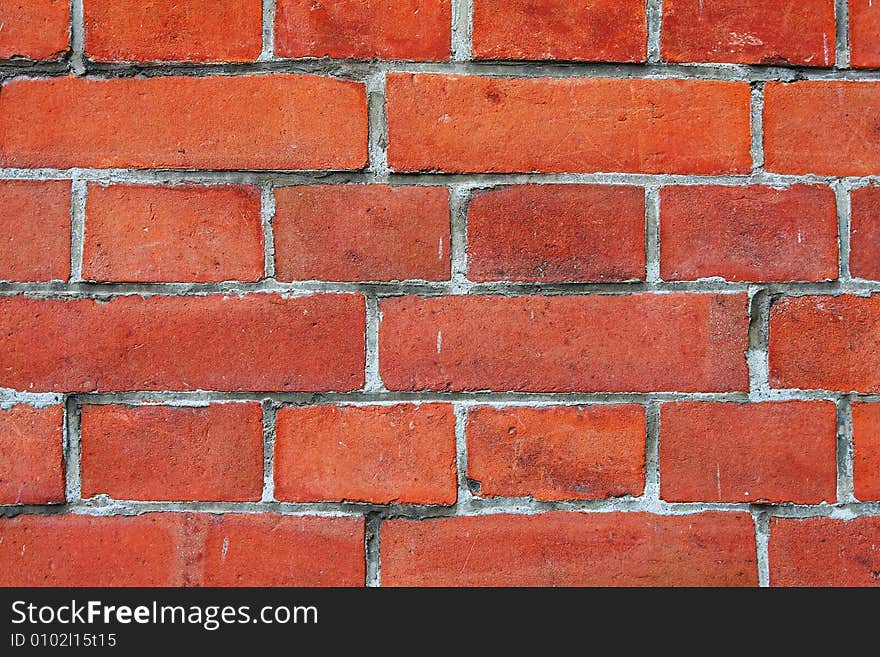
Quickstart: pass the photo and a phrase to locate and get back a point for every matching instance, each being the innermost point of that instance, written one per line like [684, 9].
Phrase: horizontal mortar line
[361, 69]
[104, 507]
[472, 398]
[473, 180]
[88, 290]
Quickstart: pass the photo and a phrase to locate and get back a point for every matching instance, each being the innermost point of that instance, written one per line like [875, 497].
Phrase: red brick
[557, 233]
[364, 29]
[825, 128]
[176, 549]
[257, 342]
[222, 122]
[168, 30]
[748, 233]
[864, 257]
[265, 550]
[826, 343]
[31, 462]
[825, 552]
[636, 343]
[179, 454]
[34, 230]
[35, 29]
[557, 453]
[759, 453]
[864, 26]
[402, 454]
[571, 549]
[361, 233]
[866, 452]
[191, 233]
[799, 32]
[601, 30]
[480, 124]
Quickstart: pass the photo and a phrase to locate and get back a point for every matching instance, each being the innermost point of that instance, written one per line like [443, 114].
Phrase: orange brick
[31, 461]
[825, 343]
[557, 453]
[36, 29]
[174, 549]
[760, 453]
[557, 233]
[748, 233]
[864, 26]
[571, 549]
[168, 30]
[864, 257]
[797, 32]
[178, 454]
[633, 343]
[824, 552]
[825, 128]
[34, 230]
[866, 451]
[600, 30]
[255, 342]
[149, 233]
[361, 233]
[461, 124]
[402, 454]
[230, 122]
[364, 29]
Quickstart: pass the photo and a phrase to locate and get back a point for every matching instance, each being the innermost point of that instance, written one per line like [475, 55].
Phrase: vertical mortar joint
[842, 49]
[462, 30]
[267, 218]
[268, 32]
[654, 16]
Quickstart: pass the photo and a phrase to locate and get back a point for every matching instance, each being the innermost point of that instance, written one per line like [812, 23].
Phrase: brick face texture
[34, 230]
[167, 30]
[599, 30]
[193, 234]
[800, 32]
[35, 29]
[391, 282]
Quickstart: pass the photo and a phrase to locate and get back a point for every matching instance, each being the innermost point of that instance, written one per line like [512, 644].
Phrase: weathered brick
[480, 124]
[864, 26]
[35, 29]
[557, 453]
[31, 462]
[864, 257]
[643, 342]
[191, 233]
[824, 552]
[173, 549]
[361, 233]
[748, 233]
[759, 453]
[866, 451]
[827, 343]
[168, 30]
[34, 230]
[217, 122]
[168, 453]
[381, 454]
[256, 342]
[364, 29]
[557, 233]
[797, 32]
[822, 127]
[600, 30]
[571, 549]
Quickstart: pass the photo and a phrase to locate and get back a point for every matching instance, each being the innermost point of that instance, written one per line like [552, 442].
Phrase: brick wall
[434, 292]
